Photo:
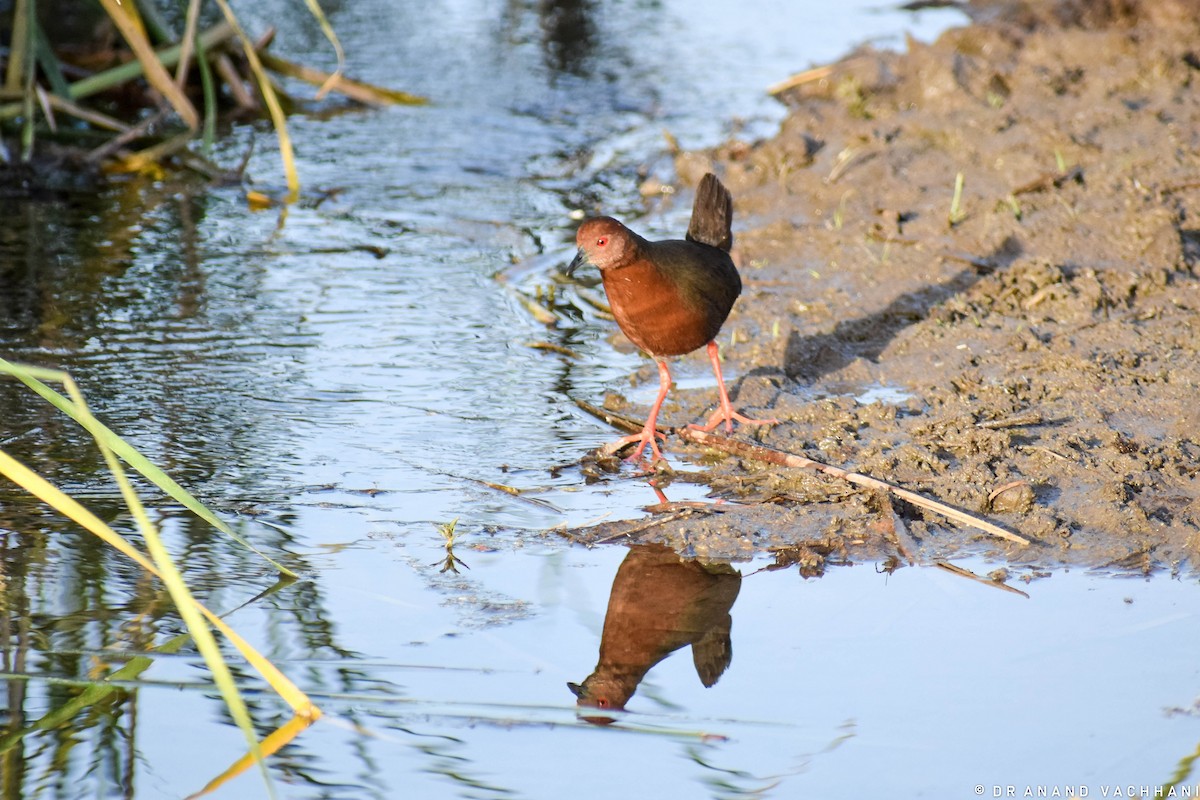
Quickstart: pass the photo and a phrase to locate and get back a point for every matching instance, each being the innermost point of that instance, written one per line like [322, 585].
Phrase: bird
[660, 603]
[670, 297]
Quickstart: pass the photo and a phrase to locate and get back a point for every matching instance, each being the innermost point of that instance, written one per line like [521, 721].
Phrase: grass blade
[314, 8]
[155, 71]
[193, 613]
[35, 378]
[956, 213]
[190, 25]
[269, 746]
[14, 76]
[355, 90]
[48, 61]
[278, 118]
[69, 507]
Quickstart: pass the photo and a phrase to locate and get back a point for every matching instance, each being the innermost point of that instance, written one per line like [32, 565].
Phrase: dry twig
[771, 456]
[963, 572]
[648, 524]
[618, 421]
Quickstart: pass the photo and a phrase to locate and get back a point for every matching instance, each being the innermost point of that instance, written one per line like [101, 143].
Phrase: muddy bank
[1036, 337]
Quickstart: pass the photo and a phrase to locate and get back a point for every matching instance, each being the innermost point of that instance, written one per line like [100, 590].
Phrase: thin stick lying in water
[963, 572]
[652, 522]
[783, 459]
[618, 421]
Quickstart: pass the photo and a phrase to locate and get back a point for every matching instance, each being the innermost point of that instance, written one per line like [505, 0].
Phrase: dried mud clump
[1031, 336]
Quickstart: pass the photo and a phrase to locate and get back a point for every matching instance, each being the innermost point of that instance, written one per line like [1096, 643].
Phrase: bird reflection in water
[659, 604]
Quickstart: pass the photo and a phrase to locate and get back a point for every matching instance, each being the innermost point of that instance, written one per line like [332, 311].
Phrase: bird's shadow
[807, 358]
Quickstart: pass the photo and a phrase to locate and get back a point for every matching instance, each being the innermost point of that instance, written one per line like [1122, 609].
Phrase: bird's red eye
[603, 240]
[602, 702]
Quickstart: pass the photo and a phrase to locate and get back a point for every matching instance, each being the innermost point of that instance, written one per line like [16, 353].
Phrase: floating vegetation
[451, 562]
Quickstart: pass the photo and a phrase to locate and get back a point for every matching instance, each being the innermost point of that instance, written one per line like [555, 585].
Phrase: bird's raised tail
[712, 214]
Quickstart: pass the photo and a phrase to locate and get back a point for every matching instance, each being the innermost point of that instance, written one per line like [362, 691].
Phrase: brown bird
[670, 297]
[660, 603]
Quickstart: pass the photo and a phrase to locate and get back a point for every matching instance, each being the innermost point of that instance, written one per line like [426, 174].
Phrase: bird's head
[604, 243]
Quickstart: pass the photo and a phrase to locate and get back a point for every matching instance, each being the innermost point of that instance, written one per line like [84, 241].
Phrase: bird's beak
[577, 262]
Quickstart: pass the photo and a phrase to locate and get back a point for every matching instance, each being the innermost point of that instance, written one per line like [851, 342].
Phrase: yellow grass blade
[36, 378]
[315, 9]
[278, 119]
[355, 90]
[284, 734]
[86, 87]
[95, 692]
[38, 486]
[66, 505]
[189, 609]
[134, 35]
[187, 42]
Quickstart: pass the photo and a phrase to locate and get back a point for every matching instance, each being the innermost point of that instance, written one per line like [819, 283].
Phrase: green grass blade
[14, 75]
[210, 98]
[35, 378]
[48, 61]
[161, 566]
[28, 83]
[185, 603]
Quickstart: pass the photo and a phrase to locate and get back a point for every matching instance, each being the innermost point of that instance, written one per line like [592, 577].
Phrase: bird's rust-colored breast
[655, 314]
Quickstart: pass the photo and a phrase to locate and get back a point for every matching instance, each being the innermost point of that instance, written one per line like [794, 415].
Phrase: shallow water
[342, 384]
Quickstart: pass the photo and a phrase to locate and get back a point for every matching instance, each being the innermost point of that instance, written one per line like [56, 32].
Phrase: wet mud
[998, 234]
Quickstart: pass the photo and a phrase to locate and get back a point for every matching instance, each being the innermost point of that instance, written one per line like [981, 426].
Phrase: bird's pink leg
[725, 412]
[649, 430]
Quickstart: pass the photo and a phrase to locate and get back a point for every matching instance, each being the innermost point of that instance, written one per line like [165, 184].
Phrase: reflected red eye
[603, 240]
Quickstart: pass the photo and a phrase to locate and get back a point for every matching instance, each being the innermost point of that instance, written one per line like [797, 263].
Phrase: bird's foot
[729, 416]
[648, 436]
